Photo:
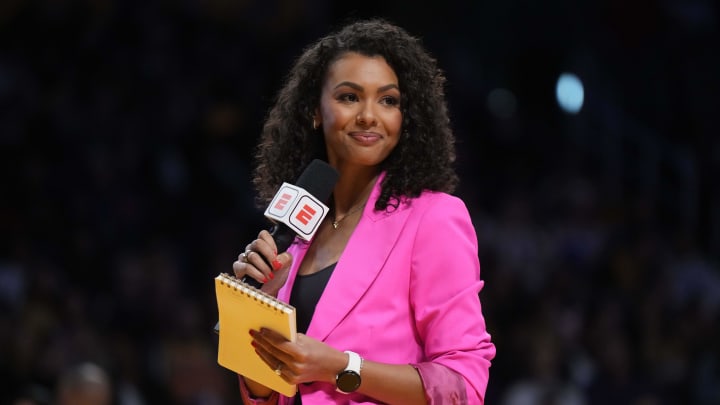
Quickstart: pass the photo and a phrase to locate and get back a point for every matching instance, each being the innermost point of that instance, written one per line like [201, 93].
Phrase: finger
[265, 236]
[256, 255]
[239, 269]
[242, 270]
[240, 266]
[259, 265]
[266, 356]
[277, 345]
[265, 246]
[268, 248]
[284, 259]
[265, 343]
[271, 336]
[244, 267]
[270, 341]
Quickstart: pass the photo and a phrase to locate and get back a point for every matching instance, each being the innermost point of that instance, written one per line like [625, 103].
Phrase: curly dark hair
[424, 156]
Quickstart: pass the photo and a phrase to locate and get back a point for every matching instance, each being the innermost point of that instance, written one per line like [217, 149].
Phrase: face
[360, 111]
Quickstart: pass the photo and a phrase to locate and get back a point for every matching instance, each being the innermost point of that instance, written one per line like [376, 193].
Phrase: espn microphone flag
[297, 209]
[294, 209]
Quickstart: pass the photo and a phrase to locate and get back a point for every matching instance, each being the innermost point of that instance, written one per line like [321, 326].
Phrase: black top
[306, 293]
[304, 297]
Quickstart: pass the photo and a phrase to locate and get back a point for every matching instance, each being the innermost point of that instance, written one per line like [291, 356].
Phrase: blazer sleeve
[444, 293]
[247, 398]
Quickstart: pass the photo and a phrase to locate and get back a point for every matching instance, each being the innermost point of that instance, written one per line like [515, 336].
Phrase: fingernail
[251, 332]
[265, 280]
[253, 343]
[277, 265]
[271, 276]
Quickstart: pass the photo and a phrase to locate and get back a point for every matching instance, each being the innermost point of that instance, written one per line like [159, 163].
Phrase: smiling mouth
[365, 137]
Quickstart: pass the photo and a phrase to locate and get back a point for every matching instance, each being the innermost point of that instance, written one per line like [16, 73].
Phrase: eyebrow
[360, 88]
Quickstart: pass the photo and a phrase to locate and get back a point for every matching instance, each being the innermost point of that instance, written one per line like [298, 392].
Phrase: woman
[387, 290]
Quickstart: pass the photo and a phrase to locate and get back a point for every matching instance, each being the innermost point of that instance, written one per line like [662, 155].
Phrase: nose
[366, 117]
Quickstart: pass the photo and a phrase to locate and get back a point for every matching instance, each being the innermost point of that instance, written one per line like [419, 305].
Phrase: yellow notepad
[242, 307]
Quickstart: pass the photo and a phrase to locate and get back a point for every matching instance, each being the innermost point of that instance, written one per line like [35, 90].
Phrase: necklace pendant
[335, 224]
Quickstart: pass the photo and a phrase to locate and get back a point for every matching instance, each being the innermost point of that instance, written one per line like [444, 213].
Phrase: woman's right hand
[261, 262]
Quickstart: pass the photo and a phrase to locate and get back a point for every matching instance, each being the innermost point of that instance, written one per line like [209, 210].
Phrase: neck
[351, 192]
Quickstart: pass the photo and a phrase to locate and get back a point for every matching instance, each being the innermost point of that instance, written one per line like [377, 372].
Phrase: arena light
[570, 93]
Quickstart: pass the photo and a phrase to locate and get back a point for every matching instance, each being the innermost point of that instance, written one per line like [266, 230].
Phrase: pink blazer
[405, 291]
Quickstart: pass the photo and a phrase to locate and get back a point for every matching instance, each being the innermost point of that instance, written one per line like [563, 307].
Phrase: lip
[365, 138]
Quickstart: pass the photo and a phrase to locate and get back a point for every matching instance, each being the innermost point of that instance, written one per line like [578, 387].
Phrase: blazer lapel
[358, 267]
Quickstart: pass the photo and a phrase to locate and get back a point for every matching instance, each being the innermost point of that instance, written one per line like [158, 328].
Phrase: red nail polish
[265, 280]
[277, 265]
[271, 276]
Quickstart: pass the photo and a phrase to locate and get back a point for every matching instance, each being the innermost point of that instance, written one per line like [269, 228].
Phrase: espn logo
[298, 209]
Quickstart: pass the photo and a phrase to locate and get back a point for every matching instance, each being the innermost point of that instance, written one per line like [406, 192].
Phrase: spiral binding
[256, 294]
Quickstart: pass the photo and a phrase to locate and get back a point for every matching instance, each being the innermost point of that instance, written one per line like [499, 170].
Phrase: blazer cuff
[441, 385]
[248, 399]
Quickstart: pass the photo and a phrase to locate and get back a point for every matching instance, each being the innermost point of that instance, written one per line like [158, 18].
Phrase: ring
[278, 369]
[243, 257]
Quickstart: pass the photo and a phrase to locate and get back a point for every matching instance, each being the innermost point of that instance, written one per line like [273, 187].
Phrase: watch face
[348, 381]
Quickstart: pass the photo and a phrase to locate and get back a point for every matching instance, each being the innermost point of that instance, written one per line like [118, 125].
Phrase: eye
[348, 97]
[390, 101]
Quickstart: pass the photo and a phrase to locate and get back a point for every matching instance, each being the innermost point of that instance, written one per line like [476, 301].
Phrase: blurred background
[589, 153]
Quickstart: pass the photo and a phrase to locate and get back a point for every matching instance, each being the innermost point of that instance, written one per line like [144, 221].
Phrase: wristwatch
[348, 380]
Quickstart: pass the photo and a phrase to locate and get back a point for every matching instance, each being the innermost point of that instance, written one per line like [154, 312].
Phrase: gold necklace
[336, 222]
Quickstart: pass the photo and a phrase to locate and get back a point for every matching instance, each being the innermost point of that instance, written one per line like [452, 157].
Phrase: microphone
[298, 210]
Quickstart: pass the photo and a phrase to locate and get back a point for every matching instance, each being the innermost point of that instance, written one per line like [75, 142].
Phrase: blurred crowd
[126, 130]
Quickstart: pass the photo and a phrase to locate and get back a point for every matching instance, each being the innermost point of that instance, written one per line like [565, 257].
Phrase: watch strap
[354, 361]
[348, 380]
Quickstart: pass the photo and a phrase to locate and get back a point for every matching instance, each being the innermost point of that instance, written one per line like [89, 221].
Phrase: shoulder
[441, 216]
[429, 206]
[431, 213]
[435, 203]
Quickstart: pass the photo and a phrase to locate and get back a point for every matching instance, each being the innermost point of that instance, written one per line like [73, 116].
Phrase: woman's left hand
[302, 361]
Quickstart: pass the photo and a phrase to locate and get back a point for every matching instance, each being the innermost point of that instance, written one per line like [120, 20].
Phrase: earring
[315, 124]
